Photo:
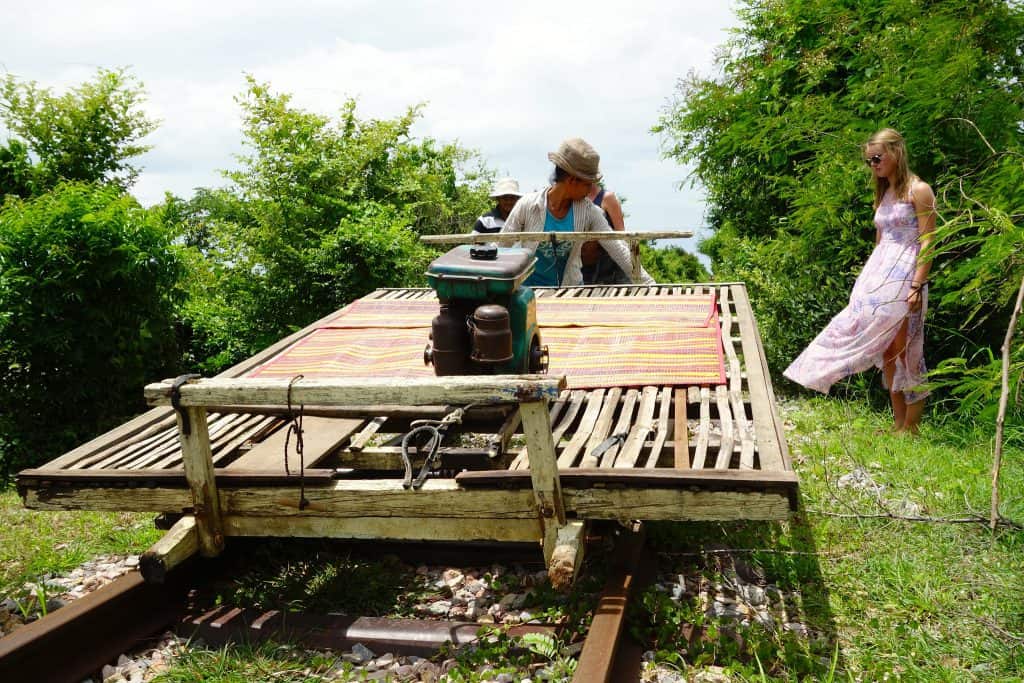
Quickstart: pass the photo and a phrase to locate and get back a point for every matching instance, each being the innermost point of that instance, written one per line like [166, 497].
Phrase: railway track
[77, 641]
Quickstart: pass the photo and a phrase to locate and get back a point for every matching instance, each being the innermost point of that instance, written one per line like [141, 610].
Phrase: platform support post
[547, 488]
[198, 462]
[177, 545]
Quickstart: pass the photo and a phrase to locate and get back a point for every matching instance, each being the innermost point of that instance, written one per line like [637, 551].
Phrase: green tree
[321, 211]
[88, 282]
[90, 133]
[672, 264]
[775, 141]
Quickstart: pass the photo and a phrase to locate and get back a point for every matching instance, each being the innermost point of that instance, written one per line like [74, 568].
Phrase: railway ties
[78, 640]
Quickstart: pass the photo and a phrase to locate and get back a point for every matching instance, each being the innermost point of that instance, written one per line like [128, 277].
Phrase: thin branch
[976, 130]
[1002, 521]
[1001, 415]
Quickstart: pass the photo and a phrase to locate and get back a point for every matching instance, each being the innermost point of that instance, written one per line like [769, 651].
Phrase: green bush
[88, 281]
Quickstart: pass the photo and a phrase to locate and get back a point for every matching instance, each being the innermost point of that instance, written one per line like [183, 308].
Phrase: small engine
[488, 320]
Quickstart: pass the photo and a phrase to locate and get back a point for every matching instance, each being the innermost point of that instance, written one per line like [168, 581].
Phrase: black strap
[186, 424]
[295, 427]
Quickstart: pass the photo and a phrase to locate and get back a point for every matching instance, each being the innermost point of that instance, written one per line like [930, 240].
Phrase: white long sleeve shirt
[529, 215]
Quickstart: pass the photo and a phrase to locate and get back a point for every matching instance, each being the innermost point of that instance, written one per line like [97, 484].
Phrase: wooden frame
[529, 467]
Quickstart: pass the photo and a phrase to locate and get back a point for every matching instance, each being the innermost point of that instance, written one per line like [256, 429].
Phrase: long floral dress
[858, 336]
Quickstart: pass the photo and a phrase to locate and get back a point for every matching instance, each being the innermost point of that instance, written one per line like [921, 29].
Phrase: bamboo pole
[1001, 413]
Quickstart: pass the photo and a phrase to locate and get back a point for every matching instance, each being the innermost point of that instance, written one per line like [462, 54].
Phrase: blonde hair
[901, 177]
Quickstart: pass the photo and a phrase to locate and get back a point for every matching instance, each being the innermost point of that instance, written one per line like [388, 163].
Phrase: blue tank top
[551, 260]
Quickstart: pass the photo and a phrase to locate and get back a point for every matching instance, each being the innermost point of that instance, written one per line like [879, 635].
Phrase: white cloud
[508, 80]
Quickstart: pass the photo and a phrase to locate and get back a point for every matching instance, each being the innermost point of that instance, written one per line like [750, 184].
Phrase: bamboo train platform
[531, 459]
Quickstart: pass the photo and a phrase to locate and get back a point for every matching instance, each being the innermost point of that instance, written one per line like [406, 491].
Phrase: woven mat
[671, 340]
[689, 310]
[629, 356]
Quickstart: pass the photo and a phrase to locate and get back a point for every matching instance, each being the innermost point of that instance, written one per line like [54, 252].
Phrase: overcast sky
[510, 80]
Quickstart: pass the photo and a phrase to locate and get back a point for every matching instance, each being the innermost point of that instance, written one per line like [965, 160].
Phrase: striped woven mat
[659, 348]
[686, 310]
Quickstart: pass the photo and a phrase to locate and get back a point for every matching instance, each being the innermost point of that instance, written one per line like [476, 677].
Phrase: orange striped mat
[662, 346]
[589, 357]
[687, 310]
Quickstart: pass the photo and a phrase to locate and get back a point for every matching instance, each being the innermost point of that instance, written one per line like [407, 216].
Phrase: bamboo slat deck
[681, 453]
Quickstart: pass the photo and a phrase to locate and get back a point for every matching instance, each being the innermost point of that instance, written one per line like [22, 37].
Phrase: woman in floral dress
[883, 325]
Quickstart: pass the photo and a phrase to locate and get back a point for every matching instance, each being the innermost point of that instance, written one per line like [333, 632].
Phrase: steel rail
[75, 641]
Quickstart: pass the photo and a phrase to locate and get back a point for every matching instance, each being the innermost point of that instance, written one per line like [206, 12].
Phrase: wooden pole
[454, 390]
[507, 238]
[1001, 413]
[547, 488]
[198, 463]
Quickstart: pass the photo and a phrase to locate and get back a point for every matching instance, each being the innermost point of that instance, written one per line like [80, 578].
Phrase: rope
[295, 427]
[435, 432]
[186, 424]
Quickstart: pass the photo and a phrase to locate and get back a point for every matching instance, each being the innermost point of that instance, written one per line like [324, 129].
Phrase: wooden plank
[320, 436]
[543, 472]
[680, 432]
[567, 557]
[661, 427]
[170, 455]
[574, 237]
[603, 425]
[366, 433]
[681, 505]
[411, 391]
[177, 545]
[505, 496]
[768, 432]
[498, 444]
[700, 453]
[594, 400]
[725, 446]
[397, 528]
[743, 427]
[257, 431]
[638, 478]
[622, 426]
[644, 425]
[198, 463]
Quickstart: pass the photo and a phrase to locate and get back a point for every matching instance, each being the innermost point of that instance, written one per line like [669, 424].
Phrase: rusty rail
[75, 641]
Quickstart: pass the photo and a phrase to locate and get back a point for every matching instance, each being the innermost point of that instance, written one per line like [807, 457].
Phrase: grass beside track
[882, 598]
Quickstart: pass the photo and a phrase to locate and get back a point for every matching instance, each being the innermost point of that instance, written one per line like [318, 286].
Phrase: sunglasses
[873, 160]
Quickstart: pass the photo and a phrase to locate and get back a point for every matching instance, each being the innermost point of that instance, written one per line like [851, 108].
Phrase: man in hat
[506, 192]
[564, 206]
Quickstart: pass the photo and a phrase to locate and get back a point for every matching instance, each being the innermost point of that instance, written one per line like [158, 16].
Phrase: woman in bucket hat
[506, 193]
[564, 206]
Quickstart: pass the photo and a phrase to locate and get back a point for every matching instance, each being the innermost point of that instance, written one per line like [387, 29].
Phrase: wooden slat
[360, 440]
[498, 443]
[661, 427]
[644, 425]
[320, 436]
[256, 431]
[703, 428]
[743, 427]
[580, 438]
[622, 426]
[771, 443]
[725, 423]
[578, 397]
[680, 432]
[167, 447]
[603, 425]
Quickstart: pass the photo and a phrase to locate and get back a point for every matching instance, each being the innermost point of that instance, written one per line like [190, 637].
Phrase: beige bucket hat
[576, 156]
[506, 187]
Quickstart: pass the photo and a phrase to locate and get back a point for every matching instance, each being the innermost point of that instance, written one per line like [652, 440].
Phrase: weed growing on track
[36, 544]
